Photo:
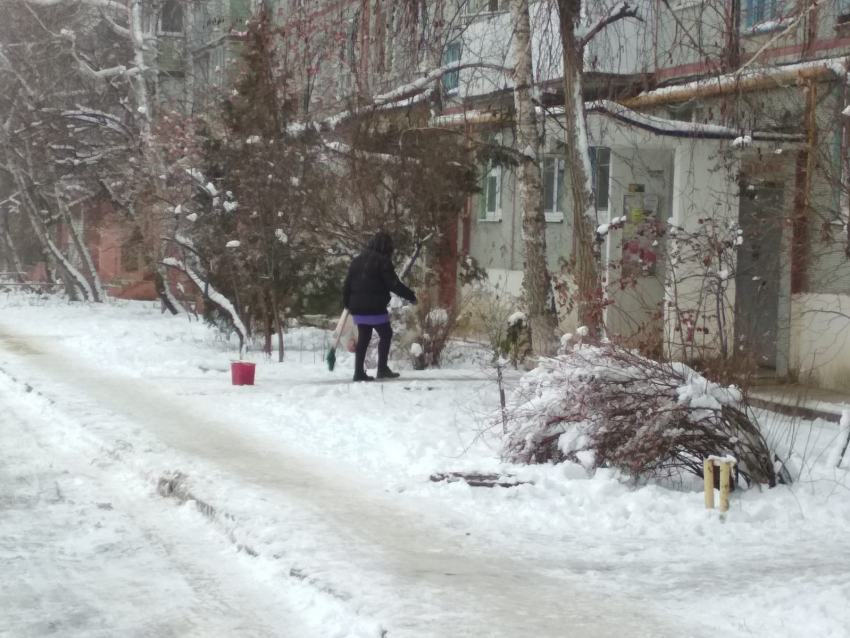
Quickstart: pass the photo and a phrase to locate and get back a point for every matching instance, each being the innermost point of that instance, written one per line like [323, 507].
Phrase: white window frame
[756, 13]
[595, 178]
[451, 81]
[557, 212]
[348, 57]
[494, 172]
[218, 65]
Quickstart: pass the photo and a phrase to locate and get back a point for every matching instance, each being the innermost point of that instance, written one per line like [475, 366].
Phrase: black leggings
[364, 336]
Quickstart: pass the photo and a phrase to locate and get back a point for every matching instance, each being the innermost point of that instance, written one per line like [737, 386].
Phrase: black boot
[386, 373]
[360, 375]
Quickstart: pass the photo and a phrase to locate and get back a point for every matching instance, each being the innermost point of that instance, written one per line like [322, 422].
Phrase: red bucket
[242, 372]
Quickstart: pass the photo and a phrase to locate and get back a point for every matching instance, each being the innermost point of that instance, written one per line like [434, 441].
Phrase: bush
[605, 406]
[434, 327]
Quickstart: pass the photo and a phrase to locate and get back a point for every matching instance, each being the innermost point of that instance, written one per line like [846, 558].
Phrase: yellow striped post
[725, 485]
[725, 464]
[708, 478]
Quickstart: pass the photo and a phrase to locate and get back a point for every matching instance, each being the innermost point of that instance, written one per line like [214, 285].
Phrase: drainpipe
[467, 218]
[513, 217]
[811, 126]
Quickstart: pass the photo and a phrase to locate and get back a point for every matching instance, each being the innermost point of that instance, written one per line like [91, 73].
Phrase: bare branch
[117, 28]
[17, 75]
[617, 13]
[782, 32]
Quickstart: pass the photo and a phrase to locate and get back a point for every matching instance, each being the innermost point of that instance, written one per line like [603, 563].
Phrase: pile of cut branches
[605, 406]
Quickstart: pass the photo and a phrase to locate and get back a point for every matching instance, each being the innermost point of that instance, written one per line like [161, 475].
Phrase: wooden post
[708, 476]
[725, 482]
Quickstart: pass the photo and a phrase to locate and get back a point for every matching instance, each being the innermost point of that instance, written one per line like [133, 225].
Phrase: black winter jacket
[371, 278]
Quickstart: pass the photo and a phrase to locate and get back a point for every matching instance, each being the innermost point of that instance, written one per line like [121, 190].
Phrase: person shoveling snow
[366, 294]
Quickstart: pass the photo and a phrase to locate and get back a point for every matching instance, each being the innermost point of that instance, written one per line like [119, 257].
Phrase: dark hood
[381, 243]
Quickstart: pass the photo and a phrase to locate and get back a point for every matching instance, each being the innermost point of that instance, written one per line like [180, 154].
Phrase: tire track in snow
[84, 558]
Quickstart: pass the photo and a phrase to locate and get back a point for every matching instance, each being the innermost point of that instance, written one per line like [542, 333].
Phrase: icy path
[86, 552]
[418, 572]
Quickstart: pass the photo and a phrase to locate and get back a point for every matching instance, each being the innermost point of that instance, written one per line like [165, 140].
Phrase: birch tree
[536, 280]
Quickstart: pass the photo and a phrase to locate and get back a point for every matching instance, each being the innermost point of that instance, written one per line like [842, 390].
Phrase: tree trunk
[97, 291]
[536, 276]
[279, 326]
[158, 210]
[72, 280]
[5, 254]
[12, 258]
[589, 308]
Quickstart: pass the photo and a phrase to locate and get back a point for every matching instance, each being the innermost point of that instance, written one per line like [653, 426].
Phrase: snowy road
[419, 574]
[86, 552]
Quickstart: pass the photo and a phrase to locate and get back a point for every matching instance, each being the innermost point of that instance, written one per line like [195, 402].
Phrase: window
[843, 11]
[131, 252]
[218, 63]
[389, 43]
[491, 195]
[492, 6]
[451, 80]
[171, 17]
[688, 112]
[348, 56]
[759, 11]
[600, 160]
[553, 189]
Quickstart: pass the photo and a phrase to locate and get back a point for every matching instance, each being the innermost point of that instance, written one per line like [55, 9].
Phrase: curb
[793, 410]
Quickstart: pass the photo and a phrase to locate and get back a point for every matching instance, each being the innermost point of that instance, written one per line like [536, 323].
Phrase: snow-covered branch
[94, 117]
[198, 177]
[399, 94]
[124, 32]
[183, 242]
[345, 149]
[408, 265]
[210, 293]
[418, 86]
[618, 12]
[81, 159]
[783, 28]
[99, 4]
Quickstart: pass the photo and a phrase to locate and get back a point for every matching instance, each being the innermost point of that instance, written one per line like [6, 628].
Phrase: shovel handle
[341, 327]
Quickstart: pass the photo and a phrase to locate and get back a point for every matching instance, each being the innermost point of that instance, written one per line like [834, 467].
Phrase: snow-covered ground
[310, 495]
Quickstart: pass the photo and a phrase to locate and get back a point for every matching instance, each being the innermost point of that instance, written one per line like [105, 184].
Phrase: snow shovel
[331, 357]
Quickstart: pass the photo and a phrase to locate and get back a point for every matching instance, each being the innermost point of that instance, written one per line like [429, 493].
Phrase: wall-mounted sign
[640, 234]
[637, 188]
